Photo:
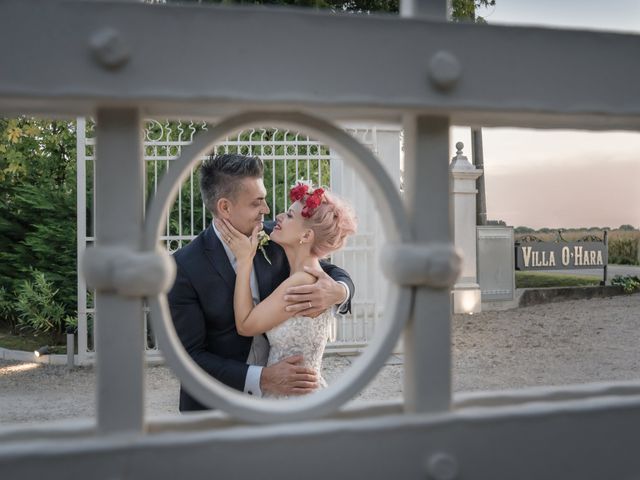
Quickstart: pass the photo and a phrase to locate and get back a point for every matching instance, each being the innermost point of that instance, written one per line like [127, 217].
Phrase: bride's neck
[299, 258]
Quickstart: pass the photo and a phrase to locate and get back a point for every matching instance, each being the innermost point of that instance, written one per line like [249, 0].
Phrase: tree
[626, 227]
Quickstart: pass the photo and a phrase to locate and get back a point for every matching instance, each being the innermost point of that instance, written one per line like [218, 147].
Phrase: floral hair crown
[313, 196]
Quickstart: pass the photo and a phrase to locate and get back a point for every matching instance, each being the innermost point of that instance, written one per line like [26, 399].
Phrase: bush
[37, 210]
[7, 309]
[38, 309]
[628, 283]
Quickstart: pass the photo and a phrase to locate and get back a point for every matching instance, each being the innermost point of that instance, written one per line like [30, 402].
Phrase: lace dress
[304, 336]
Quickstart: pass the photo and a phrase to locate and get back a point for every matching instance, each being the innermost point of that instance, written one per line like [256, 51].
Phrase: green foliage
[628, 283]
[7, 309]
[37, 209]
[627, 228]
[624, 251]
[72, 322]
[523, 229]
[465, 10]
[38, 308]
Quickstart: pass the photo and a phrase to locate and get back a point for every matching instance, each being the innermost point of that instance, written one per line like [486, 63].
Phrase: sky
[561, 178]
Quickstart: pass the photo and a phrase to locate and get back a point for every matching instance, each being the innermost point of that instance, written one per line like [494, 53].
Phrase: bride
[316, 224]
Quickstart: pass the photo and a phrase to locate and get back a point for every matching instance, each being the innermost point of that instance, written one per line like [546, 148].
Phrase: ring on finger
[310, 305]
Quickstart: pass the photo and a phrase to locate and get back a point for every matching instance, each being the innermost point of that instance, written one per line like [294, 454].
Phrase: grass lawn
[26, 342]
[541, 280]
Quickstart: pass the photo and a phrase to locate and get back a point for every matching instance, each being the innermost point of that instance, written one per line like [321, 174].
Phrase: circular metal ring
[200, 384]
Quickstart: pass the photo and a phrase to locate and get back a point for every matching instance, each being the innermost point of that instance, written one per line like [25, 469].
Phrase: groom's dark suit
[201, 302]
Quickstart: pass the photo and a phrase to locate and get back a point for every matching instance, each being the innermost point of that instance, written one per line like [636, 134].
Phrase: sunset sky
[562, 178]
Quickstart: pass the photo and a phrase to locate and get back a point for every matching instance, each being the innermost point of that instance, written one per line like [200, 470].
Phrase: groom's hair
[220, 176]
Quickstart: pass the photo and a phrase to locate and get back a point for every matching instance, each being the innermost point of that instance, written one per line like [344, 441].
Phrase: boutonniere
[263, 239]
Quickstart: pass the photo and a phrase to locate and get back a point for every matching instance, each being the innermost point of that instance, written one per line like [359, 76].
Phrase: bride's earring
[301, 242]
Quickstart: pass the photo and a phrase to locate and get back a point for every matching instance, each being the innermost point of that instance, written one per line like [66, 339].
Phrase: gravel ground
[568, 342]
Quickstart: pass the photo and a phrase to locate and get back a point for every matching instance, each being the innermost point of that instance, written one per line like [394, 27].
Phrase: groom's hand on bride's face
[313, 299]
[288, 377]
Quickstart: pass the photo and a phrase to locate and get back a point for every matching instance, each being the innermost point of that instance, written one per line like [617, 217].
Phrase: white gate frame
[103, 59]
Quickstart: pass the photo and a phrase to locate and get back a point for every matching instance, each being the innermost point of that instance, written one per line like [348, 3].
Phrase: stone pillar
[466, 292]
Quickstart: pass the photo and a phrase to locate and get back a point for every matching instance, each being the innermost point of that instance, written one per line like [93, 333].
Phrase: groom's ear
[224, 208]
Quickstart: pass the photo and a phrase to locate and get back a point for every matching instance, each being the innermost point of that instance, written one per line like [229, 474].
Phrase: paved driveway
[577, 341]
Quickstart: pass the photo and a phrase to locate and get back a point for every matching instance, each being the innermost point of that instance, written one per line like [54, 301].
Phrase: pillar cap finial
[460, 161]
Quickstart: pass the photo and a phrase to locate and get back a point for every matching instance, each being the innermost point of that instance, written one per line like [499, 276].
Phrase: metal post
[81, 234]
[428, 334]
[70, 348]
[119, 172]
[477, 153]
[605, 239]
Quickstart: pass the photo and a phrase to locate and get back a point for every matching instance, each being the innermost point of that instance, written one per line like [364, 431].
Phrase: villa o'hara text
[558, 256]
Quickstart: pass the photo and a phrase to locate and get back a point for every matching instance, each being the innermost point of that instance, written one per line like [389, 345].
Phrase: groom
[201, 299]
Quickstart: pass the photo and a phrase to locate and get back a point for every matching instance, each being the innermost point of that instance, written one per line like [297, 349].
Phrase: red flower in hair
[312, 202]
[298, 192]
[313, 197]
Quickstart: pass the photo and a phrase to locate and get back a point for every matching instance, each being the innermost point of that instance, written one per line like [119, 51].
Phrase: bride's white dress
[304, 336]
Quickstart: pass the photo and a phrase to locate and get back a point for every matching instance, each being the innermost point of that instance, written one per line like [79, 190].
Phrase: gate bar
[81, 235]
[427, 384]
[119, 174]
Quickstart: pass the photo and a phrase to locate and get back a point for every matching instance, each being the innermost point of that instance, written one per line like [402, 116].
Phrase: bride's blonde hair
[332, 222]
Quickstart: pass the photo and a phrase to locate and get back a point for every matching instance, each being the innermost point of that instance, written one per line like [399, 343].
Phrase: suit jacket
[201, 303]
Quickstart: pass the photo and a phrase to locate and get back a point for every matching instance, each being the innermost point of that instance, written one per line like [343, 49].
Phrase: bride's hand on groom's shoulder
[243, 247]
[313, 299]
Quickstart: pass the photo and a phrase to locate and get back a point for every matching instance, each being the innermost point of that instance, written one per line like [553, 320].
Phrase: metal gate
[103, 59]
